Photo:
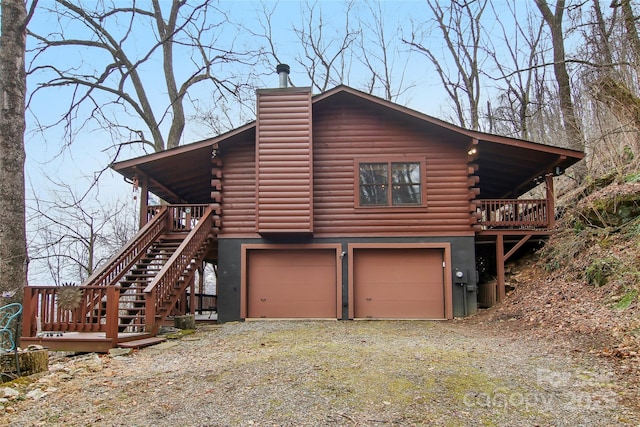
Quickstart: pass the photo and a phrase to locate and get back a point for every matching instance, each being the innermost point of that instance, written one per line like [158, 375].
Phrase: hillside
[582, 288]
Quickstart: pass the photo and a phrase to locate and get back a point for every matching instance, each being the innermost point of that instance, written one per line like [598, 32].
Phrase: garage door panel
[292, 283]
[399, 283]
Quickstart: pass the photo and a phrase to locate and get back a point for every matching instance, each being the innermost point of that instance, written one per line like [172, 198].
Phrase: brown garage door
[398, 283]
[291, 283]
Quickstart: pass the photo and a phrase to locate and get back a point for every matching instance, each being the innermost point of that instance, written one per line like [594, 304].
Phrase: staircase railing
[121, 262]
[161, 292]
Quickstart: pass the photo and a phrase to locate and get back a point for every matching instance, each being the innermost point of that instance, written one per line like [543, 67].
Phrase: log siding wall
[342, 134]
[284, 167]
[239, 188]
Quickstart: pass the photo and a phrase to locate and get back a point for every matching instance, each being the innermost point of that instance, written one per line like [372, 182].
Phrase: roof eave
[137, 161]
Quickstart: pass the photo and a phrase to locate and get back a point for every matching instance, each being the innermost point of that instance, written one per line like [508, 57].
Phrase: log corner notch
[472, 182]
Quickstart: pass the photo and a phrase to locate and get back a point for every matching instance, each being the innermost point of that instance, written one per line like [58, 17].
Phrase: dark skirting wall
[230, 270]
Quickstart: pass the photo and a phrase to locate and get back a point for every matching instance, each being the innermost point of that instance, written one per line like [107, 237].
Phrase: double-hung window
[390, 184]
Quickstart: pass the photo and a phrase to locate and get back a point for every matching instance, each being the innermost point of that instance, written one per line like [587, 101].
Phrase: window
[390, 184]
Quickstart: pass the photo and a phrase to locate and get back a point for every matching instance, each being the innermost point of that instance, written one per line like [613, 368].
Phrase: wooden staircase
[138, 289]
[132, 286]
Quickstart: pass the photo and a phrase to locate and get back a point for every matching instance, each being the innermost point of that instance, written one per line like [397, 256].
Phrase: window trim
[390, 207]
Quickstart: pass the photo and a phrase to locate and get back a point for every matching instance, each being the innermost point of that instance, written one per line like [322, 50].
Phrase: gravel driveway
[317, 373]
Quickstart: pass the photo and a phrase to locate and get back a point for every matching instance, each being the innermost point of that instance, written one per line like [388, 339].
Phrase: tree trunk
[630, 27]
[13, 247]
[571, 124]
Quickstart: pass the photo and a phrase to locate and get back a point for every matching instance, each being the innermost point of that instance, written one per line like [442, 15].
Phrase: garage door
[291, 283]
[399, 283]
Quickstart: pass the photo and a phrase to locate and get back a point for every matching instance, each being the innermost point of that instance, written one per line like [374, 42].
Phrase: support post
[500, 294]
[113, 297]
[551, 210]
[150, 310]
[200, 290]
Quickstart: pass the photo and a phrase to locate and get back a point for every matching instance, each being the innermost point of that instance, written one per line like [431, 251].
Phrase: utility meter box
[460, 276]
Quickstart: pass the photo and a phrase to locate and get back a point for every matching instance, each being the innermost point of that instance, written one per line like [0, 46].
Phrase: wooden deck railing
[159, 293]
[202, 303]
[514, 213]
[97, 311]
[180, 217]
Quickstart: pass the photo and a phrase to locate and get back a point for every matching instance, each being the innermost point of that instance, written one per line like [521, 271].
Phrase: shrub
[600, 271]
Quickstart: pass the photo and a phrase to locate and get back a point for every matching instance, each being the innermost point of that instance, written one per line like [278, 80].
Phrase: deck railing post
[113, 297]
[27, 312]
[150, 310]
[187, 218]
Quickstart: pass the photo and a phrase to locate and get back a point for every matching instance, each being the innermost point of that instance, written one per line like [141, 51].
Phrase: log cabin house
[339, 205]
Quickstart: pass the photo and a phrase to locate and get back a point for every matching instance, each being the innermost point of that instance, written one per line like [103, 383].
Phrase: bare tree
[630, 20]
[325, 57]
[610, 86]
[518, 73]
[13, 247]
[554, 21]
[326, 47]
[380, 55]
[460, 26]
[616, 82]
[111, 72]
[69, 239]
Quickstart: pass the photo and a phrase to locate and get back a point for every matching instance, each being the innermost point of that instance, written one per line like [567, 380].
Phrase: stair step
[145, 342]
[126, 285]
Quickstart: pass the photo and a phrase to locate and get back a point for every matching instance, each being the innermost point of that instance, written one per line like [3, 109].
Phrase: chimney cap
[280, 68]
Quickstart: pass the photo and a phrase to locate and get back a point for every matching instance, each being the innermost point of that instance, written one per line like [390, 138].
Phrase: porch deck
[143, 285]
[81, 342]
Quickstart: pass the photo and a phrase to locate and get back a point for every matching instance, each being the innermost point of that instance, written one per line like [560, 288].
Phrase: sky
[88, 151]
